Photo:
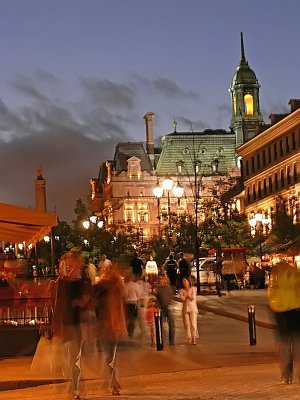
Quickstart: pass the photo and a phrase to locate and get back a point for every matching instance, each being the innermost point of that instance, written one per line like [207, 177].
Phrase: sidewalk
[253, 381]
[235, 305]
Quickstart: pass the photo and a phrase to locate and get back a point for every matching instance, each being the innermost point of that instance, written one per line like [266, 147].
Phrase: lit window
[129, 216]
[248, 101]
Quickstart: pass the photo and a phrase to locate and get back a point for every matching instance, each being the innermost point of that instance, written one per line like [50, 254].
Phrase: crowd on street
[96, 306]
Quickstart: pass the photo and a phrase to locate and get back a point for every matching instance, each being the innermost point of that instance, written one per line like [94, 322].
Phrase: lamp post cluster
[169, 187]
[91, 222]
[94, 219]
[258, 225]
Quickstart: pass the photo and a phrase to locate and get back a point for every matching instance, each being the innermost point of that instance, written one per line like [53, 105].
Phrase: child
[151, 309]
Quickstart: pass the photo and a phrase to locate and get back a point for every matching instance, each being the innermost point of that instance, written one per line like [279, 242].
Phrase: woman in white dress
[188, 297]
[151, 272]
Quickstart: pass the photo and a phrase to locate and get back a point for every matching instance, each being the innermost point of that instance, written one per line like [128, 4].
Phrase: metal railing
[25, 311]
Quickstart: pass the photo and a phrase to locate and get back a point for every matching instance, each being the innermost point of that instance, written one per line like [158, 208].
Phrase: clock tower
[244, 90]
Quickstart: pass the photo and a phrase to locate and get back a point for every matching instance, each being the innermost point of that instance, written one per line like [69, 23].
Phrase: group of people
[173, 278]
[86, 315]
[175, 270]
[96, 306]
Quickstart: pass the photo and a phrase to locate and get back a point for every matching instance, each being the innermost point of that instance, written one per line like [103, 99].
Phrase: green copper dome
[244, 74]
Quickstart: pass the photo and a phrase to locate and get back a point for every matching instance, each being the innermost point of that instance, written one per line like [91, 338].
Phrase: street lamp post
[158, 191]
[168, 186]
[91, 224]
[197, 190]
[258, 222]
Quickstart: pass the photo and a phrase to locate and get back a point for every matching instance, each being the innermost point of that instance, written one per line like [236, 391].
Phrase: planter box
[18, 340]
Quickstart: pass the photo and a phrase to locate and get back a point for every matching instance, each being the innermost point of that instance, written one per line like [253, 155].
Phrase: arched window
[234, 104]
[248, 101]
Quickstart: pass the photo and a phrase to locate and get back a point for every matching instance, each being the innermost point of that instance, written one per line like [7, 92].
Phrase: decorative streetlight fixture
[95, 220]
[178, 191]
[158, 192]
[258, 224]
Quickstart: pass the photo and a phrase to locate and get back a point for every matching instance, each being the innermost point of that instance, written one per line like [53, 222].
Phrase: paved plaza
[223, 365]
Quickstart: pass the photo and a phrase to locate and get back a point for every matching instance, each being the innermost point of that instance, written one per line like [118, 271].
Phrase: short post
[158, 330]
[252, 326]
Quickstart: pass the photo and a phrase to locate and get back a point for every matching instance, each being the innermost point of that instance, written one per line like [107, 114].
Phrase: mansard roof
[206, 147]
[126, 150]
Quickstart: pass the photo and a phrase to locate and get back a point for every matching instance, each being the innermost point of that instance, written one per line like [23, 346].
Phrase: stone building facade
[271, 167]
[197, 162]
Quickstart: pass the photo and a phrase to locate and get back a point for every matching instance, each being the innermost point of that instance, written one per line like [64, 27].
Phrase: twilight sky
[77, 76]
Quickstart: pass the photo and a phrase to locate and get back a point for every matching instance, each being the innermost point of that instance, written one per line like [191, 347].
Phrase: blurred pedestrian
[171, 269]
[151, 272]
[152, 308]
[164, 294]
[259, 276]
[108, 294]
[91, 271]
[72, 297]
[184, 267]
[137, 266]
[132, 295]
[217, 269]
[144, 289]
[188, 296]
[284, 301]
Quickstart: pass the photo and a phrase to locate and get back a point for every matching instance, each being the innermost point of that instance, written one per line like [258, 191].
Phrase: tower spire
[244, 89]
[243, 58]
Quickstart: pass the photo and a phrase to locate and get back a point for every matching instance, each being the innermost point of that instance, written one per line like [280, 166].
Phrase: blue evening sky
[77, 76]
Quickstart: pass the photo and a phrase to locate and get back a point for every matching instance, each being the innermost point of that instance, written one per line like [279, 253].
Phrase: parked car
[206, 271]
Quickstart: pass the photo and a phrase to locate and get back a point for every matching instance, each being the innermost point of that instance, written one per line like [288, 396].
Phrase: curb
[228, 314]
[23, 384]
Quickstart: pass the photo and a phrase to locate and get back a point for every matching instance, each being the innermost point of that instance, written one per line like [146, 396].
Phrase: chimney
[276, 118]
[40, 190]
[148, 117]
[294, 104]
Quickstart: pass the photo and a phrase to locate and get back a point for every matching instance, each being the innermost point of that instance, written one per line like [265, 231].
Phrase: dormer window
[134, 167]
[179, 167]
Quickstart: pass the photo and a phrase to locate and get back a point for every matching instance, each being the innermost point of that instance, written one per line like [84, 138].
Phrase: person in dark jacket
[109, 299]
[164, 295]
[71, 298]
[184, 268]
[137, 266]
[171, 268]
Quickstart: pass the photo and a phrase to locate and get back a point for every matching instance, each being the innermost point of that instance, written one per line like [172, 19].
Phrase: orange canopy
[18, 224]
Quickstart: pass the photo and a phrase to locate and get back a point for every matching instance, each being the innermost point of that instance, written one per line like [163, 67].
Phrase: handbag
[50, 357]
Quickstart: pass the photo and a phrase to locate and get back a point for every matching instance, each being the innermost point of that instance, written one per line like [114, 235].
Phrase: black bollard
[158, 330]
[252, 326]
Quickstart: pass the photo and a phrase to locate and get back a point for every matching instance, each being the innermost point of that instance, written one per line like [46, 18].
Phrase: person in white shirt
[151, 272]
[144, 288]
[188, 297]
[104, 263]
[92, 272]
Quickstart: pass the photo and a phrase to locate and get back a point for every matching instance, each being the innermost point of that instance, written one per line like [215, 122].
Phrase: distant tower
[148, 117]
[244, 90]
[40, 190]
